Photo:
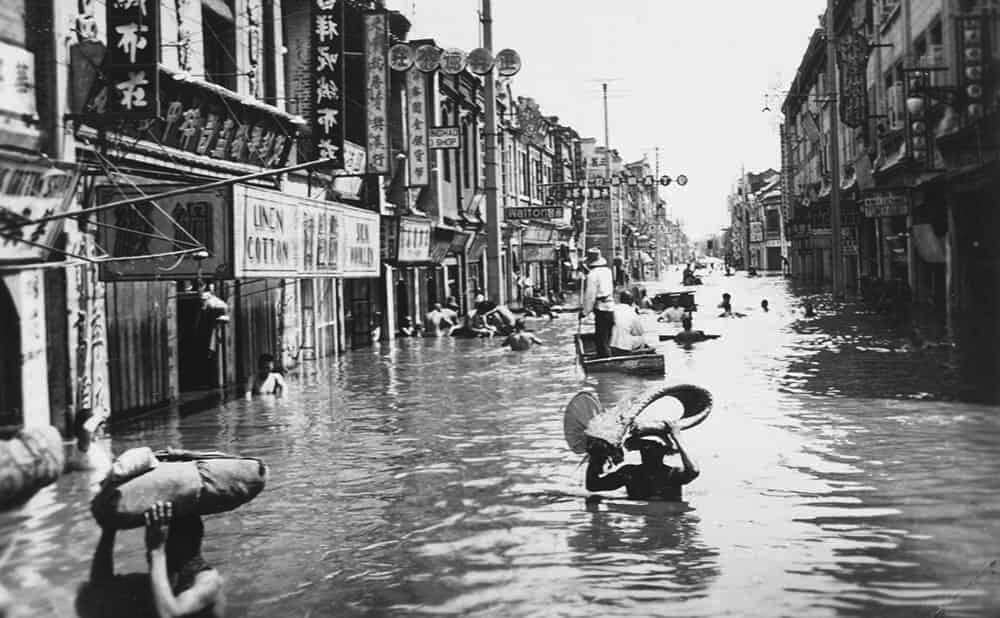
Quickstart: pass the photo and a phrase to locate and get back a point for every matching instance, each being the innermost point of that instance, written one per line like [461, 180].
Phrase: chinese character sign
[377, 82]
[133, 55]
[416, 118]
[852, 57]
[328, 81]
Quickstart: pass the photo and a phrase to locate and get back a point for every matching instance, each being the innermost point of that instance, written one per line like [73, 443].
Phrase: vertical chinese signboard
[133, 28]
[853, 50]
[416, 118]
[328, 81]
[377, 82]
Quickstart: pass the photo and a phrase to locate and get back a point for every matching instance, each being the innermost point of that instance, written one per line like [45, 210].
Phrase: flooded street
[431, 477]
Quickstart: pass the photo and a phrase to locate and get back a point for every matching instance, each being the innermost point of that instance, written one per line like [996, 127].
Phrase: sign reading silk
[328, 81]
[377, 81]
[133, 56]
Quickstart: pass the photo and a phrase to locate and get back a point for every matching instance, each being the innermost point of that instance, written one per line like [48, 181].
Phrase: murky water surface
[430, 477]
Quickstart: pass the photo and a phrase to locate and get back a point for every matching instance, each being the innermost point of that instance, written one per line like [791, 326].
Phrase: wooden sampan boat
[635, 364]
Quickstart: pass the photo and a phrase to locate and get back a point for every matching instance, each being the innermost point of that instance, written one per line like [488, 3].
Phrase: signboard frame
[445, 137]
[206, 214]
[512, 213]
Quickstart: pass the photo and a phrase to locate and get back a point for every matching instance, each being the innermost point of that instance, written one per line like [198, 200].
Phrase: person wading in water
[650, 480]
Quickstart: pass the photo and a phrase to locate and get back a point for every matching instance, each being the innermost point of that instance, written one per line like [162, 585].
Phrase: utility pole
[607, 174]
[831, 68]
[494, 271]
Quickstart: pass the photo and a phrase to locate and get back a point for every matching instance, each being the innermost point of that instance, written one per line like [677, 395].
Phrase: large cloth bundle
[585, 420]
[197, 483]
[30, 460]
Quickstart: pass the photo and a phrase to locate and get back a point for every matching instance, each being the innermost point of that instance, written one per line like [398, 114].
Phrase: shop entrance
[10, 363]
[199, 347]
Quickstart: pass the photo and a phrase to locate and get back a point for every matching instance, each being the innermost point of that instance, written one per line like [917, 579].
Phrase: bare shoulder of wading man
[181, 582]
[650, 480]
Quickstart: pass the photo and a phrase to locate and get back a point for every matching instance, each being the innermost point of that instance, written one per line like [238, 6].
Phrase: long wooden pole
[836, 242]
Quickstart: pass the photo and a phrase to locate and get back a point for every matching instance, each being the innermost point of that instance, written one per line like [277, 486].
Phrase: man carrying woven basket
[650, 480]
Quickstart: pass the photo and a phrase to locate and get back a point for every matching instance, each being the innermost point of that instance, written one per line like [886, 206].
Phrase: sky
[687, 77]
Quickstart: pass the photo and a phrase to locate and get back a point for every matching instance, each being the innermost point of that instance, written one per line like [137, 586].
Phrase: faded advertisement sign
[29, 191]
[156, 233]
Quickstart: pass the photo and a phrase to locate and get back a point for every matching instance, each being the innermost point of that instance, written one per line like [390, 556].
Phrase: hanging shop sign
[973, 62]
[533, 212]
[327, 98]
[387, 244]
[153, 232]
[853, 50]
[377, 81]
[538, 253]
[441, 242]
[401, 57]
[266, 230]
[413, 240]
[477, 247]
[427, 58]
[17, 81]
[508, 63]
[756, 231]
[444, 138]
[133, 56]
[29, 191]
[349, 181]
[885, 204]
[453, 61]
[598, 216]
[416, 119]
[480, 61]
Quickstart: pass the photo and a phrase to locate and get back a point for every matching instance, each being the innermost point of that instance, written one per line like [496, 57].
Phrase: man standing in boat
[598, 294]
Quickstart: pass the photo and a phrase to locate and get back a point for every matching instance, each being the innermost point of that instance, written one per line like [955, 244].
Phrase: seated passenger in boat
[627, 334]
[650, 480]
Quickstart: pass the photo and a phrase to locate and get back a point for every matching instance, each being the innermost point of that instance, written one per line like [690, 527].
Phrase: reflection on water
[430, 477]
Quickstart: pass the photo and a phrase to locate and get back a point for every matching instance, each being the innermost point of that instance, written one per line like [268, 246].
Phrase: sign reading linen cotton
[133, 56]
[266, 232]
[416, 118]
[377, 81]
[328, 81]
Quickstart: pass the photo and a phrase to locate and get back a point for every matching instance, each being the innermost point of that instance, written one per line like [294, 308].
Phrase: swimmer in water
[266, 381]
[689, 336]
[521, 339]
[650, 480]
[764, 305]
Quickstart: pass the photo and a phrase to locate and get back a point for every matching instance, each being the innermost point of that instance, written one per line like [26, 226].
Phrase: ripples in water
[430, 477]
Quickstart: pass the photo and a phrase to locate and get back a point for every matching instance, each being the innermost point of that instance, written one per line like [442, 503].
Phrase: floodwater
[431, 477]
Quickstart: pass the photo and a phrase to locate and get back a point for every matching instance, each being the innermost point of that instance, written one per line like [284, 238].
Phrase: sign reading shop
[133, 28]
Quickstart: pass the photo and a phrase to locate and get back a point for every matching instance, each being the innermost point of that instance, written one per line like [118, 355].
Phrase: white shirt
[598, 288]
[627, 333]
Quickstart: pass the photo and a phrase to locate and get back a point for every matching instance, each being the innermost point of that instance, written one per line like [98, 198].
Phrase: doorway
[10, 363]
